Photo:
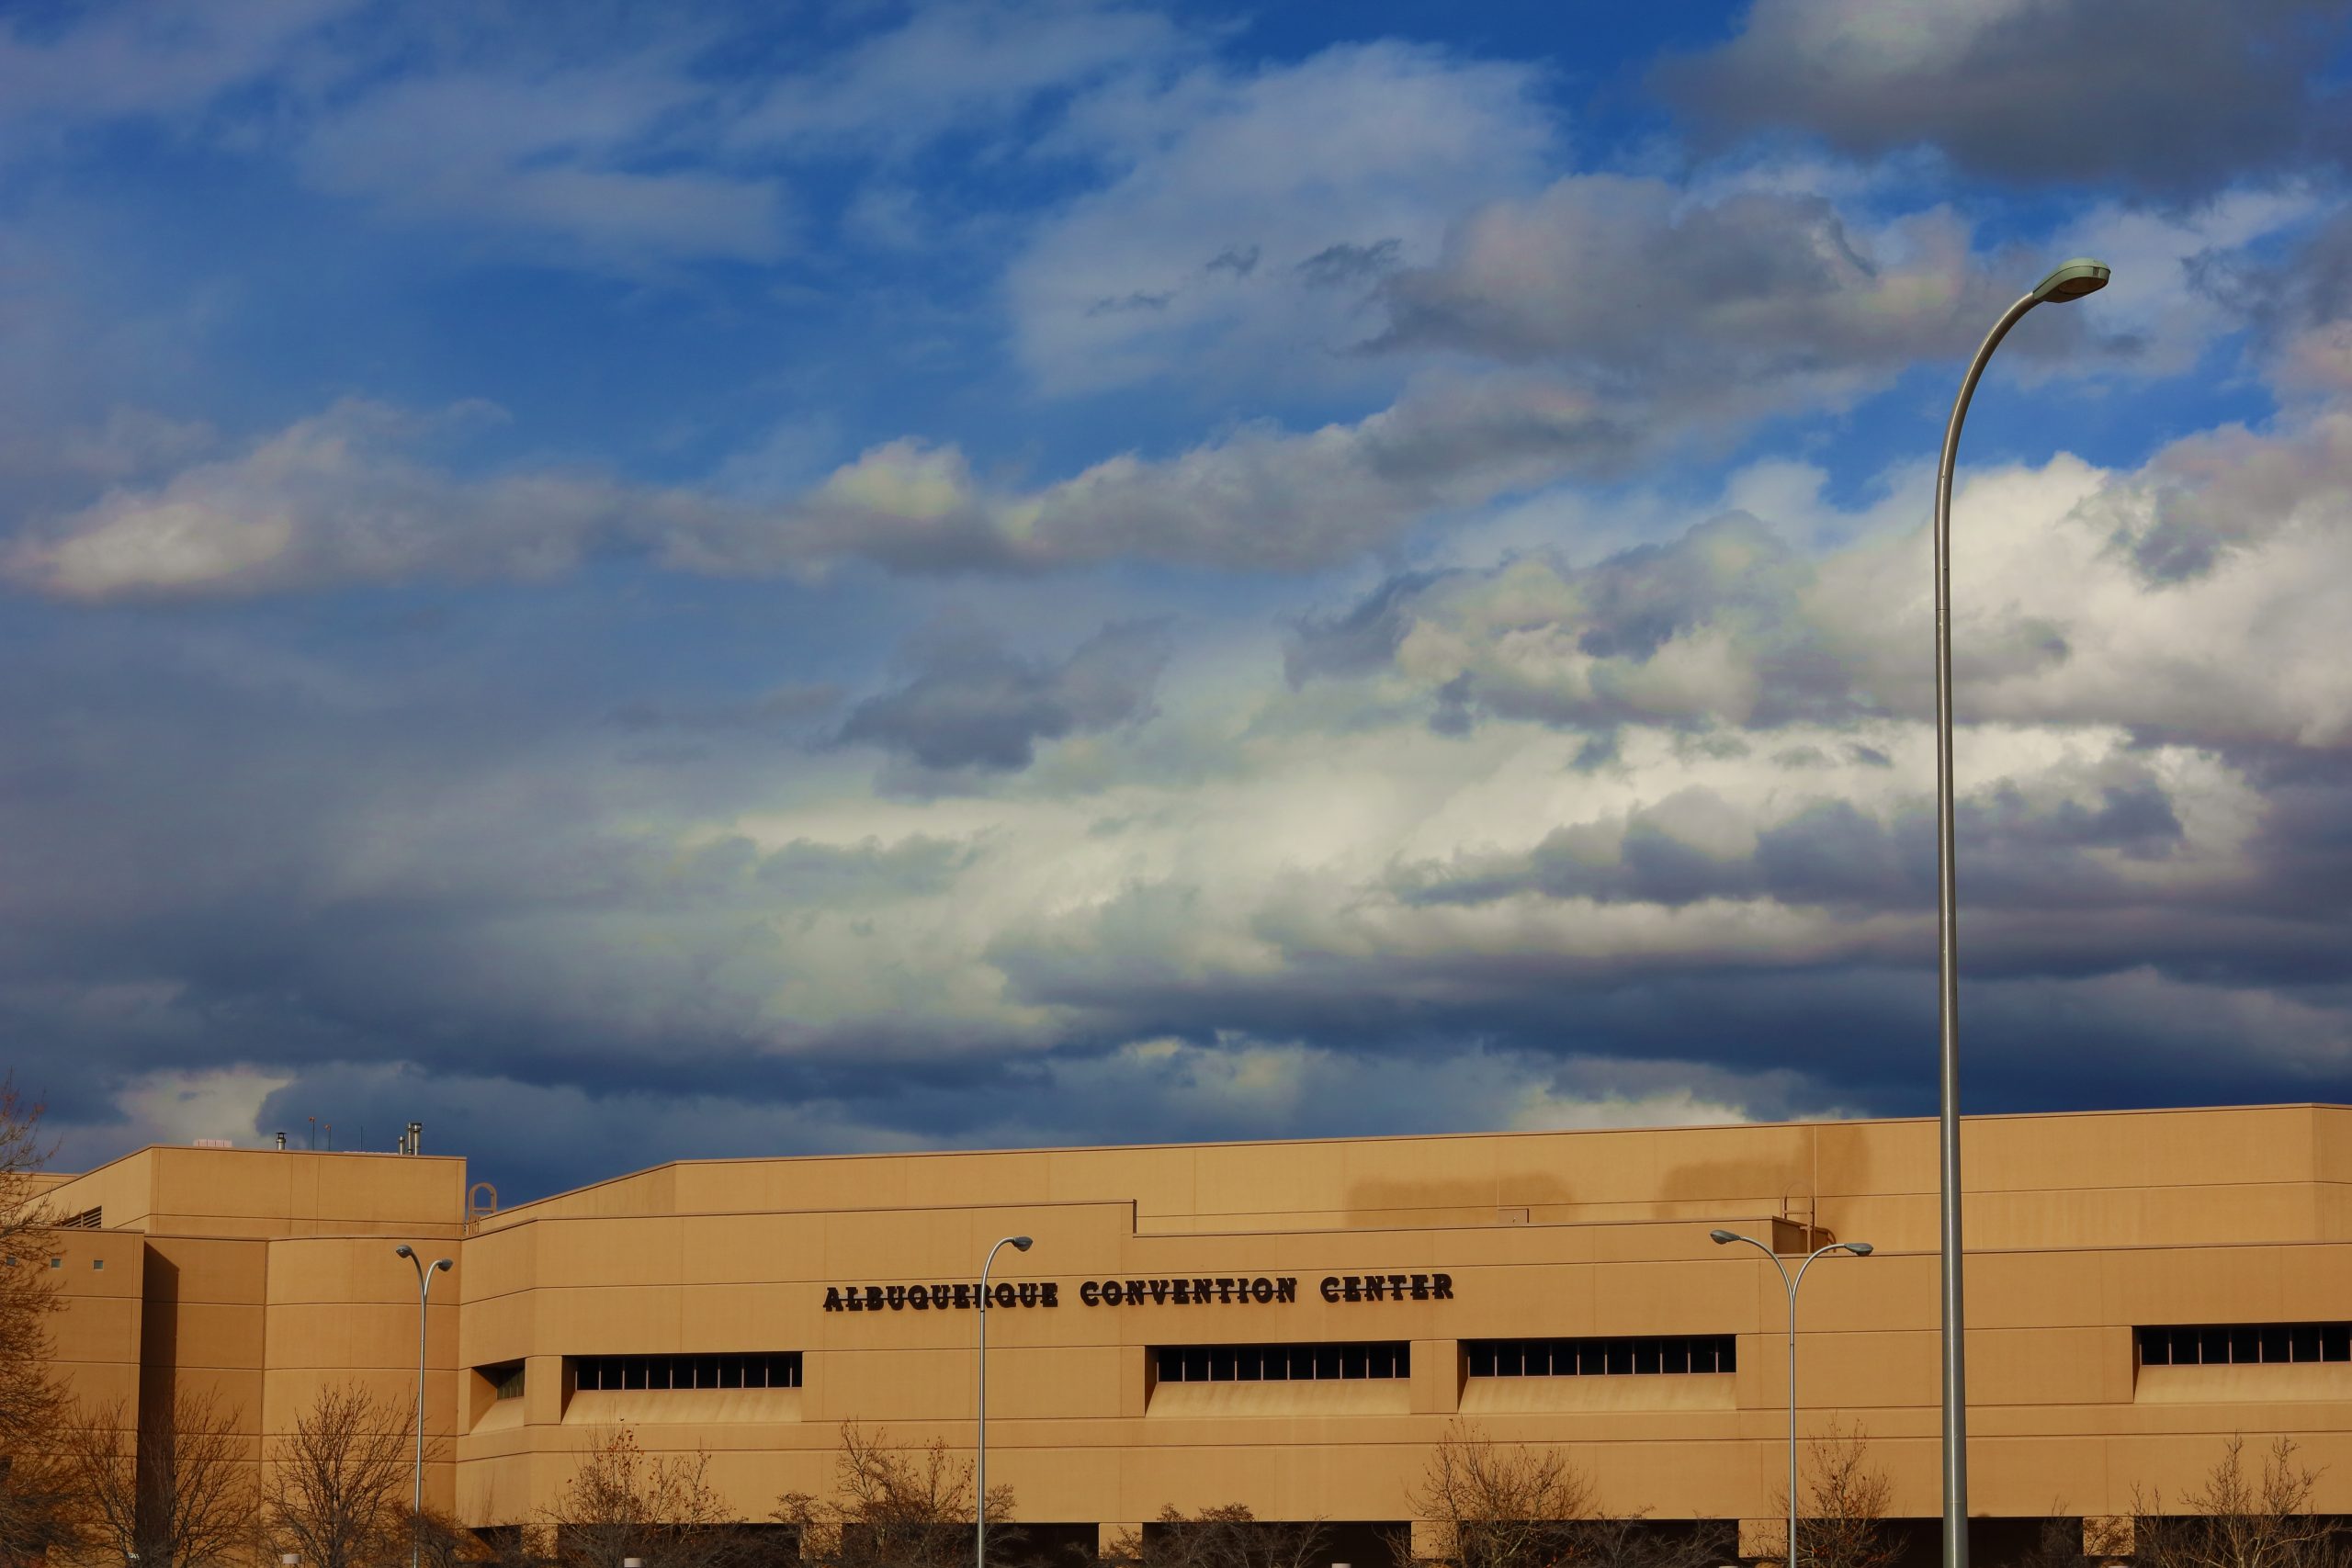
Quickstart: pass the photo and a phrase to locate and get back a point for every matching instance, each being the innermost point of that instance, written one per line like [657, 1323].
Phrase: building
[1291, 1326]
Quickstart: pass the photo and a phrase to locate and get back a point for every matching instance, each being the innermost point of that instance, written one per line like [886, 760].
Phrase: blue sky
[632, 582]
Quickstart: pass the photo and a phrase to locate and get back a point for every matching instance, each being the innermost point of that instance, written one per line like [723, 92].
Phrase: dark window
[1281, 1364]
[1600, 1357]
[506, 1379]
[767, 1368]
[2243, 1344]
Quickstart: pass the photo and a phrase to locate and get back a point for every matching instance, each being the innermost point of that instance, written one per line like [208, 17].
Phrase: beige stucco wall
[272, 1275]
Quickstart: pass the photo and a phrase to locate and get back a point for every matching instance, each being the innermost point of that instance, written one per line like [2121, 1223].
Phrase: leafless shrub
[2240, 1521]
[1227, 1536]
[1843, 1520]
[891, 1510]
[623, 1502]
[1509, 1505]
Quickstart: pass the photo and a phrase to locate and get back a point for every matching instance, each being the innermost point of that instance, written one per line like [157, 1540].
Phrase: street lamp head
[1022, 1242]
[1722, 1238]
[443, 1264]
[404, 1250]
[2072, 280]
[1859, 1248]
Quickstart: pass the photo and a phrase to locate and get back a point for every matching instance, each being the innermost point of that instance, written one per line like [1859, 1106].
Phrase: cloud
[1324, 173]
[336, 498]
[2080, 597]
[1250, 904]
[351, 495]
[2177, 99]
[134, 61]
[582, 163]
[968, 68]
[1724, 302]
[969, 704]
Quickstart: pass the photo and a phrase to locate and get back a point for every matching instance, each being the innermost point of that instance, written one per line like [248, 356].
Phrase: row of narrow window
[1282, 1363]
[2245, 1344]
[2170, 1345]
[1588, 1357]
[757, 1368]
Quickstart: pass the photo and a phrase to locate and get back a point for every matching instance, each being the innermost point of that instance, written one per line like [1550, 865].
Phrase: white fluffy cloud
[352, 495]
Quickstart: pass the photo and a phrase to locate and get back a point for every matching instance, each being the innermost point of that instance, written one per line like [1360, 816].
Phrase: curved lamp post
[980, 1465]
[2071, 281]
[424, 1292]
[1860, 1249]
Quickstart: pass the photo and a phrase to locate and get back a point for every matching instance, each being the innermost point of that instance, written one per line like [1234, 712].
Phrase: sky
[636, 583]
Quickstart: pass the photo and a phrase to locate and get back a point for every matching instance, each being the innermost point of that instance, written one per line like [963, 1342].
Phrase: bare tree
[337, 1491]
[1508, 1506]
[36, 1497]
[2238, 1520]
[1227, 1536]
[890, 1510]
[624, 1503]
[1498, 1506]
[1844, 1523]
[178, 1494]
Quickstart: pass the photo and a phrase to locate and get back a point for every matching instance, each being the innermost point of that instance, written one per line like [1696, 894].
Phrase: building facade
[1288, 1326]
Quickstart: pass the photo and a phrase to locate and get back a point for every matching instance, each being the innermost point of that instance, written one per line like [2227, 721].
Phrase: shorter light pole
[416, 1501]
[980, 1447]
[1860, 1249]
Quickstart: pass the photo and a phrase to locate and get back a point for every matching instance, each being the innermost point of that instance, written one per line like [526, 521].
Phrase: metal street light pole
[424, 1293]
[1860, 1249]
[2071, 281]
[980, 1461]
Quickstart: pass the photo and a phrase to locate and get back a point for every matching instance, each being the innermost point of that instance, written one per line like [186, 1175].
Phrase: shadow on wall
[159, 1360]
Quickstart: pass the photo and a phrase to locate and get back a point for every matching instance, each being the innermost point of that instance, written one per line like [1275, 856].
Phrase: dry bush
[178, 1495]
[1227, 1536]
[2237, 1521]
[891, 1510]
[623, 1502]
[1508, 1506]
[1498, 1506]
[1842, 1523]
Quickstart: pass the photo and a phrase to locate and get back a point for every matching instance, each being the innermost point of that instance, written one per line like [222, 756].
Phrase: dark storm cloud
[2021, 853]
[2171, 98]
[970, 703]
[2045, 1031]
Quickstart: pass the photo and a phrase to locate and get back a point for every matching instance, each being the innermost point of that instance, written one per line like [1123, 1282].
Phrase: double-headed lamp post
[980, 1448]
[1860, 1249]
[2070, 281]
[424, 1293]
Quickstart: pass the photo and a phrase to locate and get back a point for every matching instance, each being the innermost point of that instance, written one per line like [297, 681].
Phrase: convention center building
[1291, 1326]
